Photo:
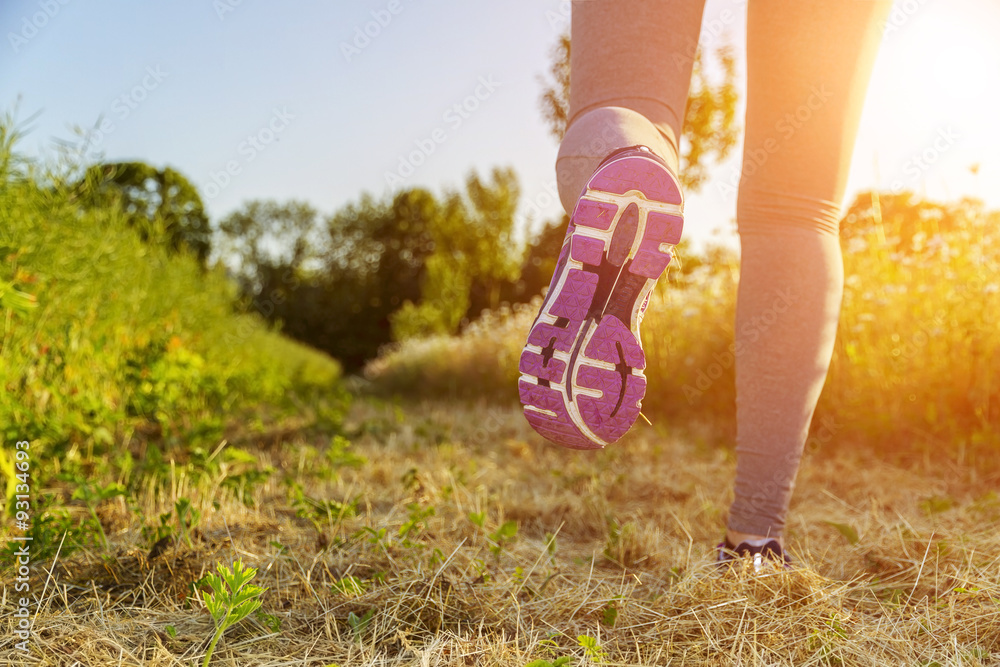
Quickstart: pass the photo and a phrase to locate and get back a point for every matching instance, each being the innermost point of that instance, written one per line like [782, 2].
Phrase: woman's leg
[582, 379]
[630, 69]
[808, 66]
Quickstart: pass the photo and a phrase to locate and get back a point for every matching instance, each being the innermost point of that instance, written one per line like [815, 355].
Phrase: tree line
[411, 263]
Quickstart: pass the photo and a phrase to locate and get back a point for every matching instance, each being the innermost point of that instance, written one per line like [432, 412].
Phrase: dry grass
[914, 365]
[630, 529]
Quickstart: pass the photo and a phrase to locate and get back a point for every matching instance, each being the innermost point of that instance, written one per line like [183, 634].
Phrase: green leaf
[216, 583]
[505, 532]
[243, 609]
[590, 647]
[245, 594]
[359, 623]
[214, 607]
[550, 545]
[846, 530]
[15, 300]
[609, 616]
[349, 586]
[937, 504]
[236, 455]
[112, 490]
[272, 622]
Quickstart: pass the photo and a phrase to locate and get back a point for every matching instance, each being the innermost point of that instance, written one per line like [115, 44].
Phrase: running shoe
[768, 554]
[582, 379]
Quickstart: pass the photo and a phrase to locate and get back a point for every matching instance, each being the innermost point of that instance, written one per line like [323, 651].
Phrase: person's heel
[582, 379]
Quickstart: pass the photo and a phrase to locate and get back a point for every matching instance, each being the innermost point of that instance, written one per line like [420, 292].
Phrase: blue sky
[252, 99]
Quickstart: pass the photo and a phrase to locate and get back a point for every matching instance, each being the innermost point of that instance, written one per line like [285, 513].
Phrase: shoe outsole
[582, 379]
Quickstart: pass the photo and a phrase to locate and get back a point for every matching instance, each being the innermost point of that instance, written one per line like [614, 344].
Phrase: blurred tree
[444, 291]
[376, 270]
[539, 261]
[555, 94]
[377, 262]
[710, 131]
[385, 245]
[895, 219]
[474, 256]
[161, 202]
[265, 240]
[492, 254]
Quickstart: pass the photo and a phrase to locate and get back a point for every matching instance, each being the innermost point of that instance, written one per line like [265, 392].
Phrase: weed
[93, 495]
[359, 624]
[415, 522]
[411, 479]
[501, 537]
[245, 483]
[232, 599]
[154, 533]
[339, 454]
[591, 648]
[846, 530]
[110, 344]
[318, 511]
[558, 662]
[626, 545]
[349, 586]
[550, 548]
[609, 615]
[187, 519]
[52, 531]
[270, 621]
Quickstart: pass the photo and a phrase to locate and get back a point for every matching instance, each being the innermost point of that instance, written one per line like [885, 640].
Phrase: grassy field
[172, 434]
[914, 369]
[451, 535]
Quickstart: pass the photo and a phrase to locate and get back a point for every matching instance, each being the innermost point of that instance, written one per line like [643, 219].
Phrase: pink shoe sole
[582, 379]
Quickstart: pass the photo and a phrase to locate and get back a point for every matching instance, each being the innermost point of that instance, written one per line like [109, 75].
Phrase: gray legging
[808, 67]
